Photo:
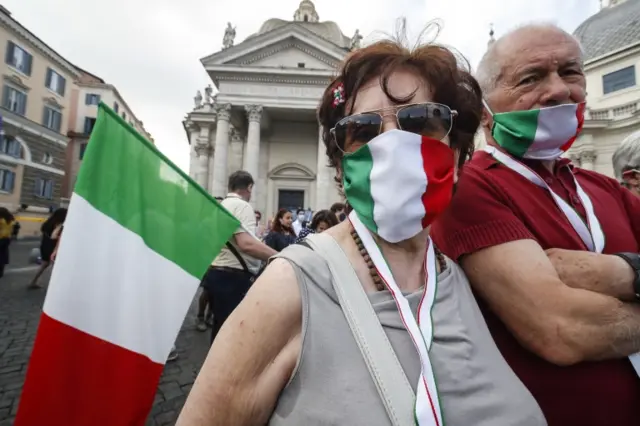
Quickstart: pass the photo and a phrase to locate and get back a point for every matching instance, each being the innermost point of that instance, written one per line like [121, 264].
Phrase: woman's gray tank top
[331, 384]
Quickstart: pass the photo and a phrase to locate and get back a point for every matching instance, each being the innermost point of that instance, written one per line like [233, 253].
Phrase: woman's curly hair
[447, 73]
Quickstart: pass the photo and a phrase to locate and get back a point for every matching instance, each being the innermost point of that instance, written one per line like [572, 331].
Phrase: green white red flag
[138, 237]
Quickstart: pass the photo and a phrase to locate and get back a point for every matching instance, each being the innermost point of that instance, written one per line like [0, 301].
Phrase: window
[83, 148]
[10, 146]
[47, 158]
[124, 115]
[300, 64]
[14, 100]
[7, 179]
[52, 118]
[44, 188]
[116, 107]
[91, 99]
[618, 80]
[55, 82]
[18, 58]
[89, 122]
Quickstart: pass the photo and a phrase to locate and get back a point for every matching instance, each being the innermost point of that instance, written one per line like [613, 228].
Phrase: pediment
[291, 171]
[290, 53]
[278, 48]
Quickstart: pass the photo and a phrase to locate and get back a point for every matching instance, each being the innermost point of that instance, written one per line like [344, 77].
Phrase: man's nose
[556, 91]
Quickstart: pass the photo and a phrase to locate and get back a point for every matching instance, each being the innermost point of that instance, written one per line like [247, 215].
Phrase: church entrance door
[290, 199]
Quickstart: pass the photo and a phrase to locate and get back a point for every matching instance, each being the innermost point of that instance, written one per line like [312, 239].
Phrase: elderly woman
[398, 124]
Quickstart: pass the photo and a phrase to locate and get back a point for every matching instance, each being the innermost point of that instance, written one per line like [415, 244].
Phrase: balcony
[616, 113]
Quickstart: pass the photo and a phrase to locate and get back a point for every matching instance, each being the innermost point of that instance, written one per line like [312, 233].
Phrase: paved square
[20, 310]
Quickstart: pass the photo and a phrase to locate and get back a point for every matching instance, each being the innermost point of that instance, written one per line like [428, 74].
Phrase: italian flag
[139, 236]
[546, 128]
[395, 202]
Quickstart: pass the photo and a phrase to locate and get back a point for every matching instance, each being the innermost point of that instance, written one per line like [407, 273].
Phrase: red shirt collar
[485, 161]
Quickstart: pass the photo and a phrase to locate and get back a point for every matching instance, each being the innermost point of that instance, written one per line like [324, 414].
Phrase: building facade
[611, 43]
[87, 92]
[36, 102]
[263, 117]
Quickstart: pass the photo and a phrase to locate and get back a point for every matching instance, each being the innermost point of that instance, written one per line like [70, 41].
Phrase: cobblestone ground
[19, 314]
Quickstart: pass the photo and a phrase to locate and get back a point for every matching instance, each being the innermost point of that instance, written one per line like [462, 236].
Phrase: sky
[151, 51]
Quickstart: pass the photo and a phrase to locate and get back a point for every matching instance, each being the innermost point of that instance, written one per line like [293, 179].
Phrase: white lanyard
[427, 405]
[590, 232]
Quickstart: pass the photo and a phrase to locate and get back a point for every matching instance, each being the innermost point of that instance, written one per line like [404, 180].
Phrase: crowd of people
[500, 287]
[492, 288]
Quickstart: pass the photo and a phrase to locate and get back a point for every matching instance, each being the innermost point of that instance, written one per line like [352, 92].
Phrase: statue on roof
[208, 95]
[229, 36]
[491, 37]
[355, 40]
[197, 100]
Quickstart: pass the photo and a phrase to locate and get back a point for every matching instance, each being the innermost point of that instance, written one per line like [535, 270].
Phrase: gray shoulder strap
[385, 369]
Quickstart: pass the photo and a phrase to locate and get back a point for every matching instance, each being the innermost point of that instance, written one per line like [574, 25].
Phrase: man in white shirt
[233, 270]
[297, 224]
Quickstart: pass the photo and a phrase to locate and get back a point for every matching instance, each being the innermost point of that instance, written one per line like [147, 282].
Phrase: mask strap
[486, 105]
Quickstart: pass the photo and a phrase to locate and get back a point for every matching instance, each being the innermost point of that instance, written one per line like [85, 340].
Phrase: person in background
[282, 234]
[322, 220]
[51, 230]
[339, 210]
[297, 224]
[232, 272]
[6, 228]
[626, 163]
[550, 249]
[15, 231]
[261, 230]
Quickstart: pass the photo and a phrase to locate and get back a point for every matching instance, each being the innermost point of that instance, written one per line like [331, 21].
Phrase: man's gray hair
[627, 155]
[490, 66]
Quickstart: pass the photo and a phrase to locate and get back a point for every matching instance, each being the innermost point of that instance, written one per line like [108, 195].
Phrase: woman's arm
[253, 356]
[54, 253]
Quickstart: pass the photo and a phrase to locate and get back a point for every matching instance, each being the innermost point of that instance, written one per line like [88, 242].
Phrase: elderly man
[567, 318]
[626, 162]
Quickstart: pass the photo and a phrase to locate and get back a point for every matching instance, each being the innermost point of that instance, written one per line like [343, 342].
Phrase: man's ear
[486, 120]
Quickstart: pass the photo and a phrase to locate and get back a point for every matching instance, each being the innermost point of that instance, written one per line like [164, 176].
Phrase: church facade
[263, 117]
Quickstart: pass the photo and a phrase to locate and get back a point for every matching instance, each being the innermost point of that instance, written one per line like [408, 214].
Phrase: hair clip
[338, 95]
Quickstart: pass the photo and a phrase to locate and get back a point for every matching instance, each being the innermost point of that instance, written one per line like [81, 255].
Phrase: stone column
[324, 174]
[252, 154]
[221, 155]
[193, 156]
[203, 151]
[588, 159]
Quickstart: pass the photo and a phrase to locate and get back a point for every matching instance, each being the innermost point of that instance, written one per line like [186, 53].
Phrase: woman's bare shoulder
[253, 355]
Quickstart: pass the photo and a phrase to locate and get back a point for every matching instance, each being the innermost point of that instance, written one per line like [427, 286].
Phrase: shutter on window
[62, 83]
[27, 63]
[11, 177]
[47, 80]
[9, 56]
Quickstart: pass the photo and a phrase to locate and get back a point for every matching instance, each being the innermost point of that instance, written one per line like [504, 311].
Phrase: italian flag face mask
[398, 183]
[538, 134]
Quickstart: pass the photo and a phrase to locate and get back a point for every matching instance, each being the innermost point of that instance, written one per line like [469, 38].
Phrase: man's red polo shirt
[494, 205]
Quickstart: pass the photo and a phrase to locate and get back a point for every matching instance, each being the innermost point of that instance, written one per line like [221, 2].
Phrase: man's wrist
[625, 277]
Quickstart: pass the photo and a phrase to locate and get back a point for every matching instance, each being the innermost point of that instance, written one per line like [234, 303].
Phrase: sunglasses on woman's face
[426, 119]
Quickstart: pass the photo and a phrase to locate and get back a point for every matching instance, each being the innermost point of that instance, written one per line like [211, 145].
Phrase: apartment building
[88, 91]
[35, 106]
